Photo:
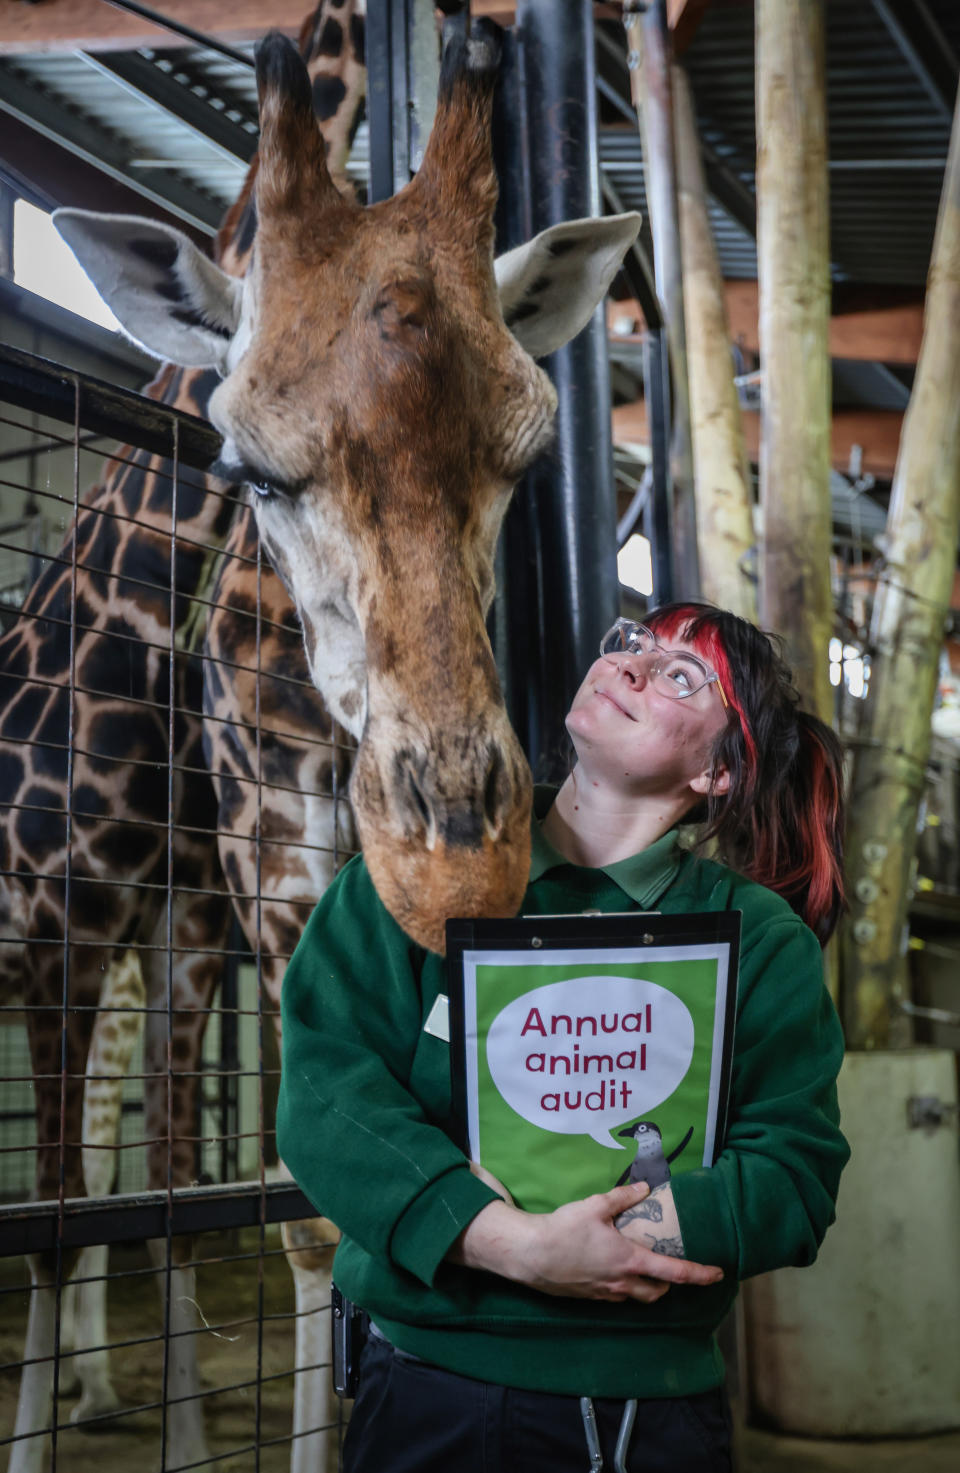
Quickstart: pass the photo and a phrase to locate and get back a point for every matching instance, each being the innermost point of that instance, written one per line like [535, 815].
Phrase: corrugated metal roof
[107, 110]
[889, 125]
[888, 136]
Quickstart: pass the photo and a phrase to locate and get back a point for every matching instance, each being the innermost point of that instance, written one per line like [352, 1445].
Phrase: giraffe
[93, 701]
[448, 797]
[380, 408]
[112, 832]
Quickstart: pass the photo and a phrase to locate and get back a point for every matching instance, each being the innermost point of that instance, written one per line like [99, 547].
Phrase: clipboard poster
[591, 1050]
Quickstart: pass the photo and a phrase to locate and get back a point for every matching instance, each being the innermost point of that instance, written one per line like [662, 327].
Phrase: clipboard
[591, 1050]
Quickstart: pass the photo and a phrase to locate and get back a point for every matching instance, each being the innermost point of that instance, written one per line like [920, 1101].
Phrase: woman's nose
[634, 667]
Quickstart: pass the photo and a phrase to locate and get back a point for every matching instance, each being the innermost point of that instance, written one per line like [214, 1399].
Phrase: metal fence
[112, 1072]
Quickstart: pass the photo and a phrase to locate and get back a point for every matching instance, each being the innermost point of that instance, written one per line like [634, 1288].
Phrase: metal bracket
[929, 1112]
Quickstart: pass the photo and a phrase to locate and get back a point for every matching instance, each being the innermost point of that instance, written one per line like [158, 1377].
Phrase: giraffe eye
[264, 489]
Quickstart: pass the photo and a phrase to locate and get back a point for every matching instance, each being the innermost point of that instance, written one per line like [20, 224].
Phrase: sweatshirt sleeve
[358, 1143]
[770, 1197]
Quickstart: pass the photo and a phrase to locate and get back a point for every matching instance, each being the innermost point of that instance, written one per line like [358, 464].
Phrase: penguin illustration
[650, 1164]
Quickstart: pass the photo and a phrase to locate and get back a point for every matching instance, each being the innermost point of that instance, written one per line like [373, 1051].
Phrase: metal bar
[515, 618]
[925, 49]
[32, 1227]
[636, 265]
[146, 80]
[656, 378]
[403, 67]
[47, 388]
[574, 541]
[649, 40]
[165, 23]
[84, 137]
[380, 109]
[47, 447]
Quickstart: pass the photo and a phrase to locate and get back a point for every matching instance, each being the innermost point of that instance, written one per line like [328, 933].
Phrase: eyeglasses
[675, 673]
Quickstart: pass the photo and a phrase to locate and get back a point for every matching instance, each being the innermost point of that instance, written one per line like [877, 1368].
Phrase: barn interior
[152, 111]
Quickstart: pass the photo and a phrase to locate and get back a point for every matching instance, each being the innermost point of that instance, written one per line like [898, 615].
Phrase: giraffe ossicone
[380, 397]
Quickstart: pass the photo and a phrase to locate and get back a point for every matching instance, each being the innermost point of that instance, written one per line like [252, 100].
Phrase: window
[44, 264]
[634, 565]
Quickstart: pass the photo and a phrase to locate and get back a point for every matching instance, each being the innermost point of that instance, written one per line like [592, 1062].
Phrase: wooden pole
[910, 609]
[794, 274]
[648, 55]
[724, 502]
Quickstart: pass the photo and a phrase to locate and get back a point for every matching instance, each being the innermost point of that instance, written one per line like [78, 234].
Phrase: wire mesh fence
[171, 804]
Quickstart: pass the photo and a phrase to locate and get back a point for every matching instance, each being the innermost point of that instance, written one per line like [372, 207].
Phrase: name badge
[438, 1019]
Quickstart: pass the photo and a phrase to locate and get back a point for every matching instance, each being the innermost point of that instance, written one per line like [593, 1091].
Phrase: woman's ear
[711, 780]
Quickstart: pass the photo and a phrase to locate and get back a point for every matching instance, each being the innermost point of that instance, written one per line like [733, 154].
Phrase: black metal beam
[575, 495]
[188, 102]
[636, 266]
[37, 1227]
[726, 187]
[36, 384]
[925, 49]
[380, 43]
[166, 22]
[403, 67]
[656, 392]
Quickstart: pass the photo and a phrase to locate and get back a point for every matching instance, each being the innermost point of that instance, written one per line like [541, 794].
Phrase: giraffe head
[380, 408]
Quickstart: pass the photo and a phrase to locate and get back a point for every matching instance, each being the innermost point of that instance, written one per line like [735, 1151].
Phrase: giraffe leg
[30, 1451]
[309, 1246]
[173, 1049]
[118, 1026]
[57, 1153]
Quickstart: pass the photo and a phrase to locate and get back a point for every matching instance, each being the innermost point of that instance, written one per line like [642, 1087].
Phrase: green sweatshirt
[364, 1123]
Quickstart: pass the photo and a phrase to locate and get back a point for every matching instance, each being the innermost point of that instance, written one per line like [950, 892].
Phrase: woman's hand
[575, 1251]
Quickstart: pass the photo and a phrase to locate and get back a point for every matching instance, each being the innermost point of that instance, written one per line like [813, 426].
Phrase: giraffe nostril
[496, 795]
[418, 803]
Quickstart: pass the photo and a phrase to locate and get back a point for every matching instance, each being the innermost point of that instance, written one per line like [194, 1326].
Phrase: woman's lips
[605, 694]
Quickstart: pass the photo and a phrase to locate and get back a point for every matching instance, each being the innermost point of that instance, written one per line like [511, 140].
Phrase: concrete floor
[769, 1452]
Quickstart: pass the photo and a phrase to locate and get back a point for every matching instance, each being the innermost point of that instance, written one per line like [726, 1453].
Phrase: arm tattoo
[669, 1247]
[649, 1208]
[668, 1240]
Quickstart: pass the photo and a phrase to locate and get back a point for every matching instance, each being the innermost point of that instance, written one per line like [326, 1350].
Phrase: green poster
[585, 1064]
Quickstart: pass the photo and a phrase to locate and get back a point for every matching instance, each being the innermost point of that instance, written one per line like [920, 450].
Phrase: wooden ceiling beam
[92, 25]
[876, 431]
[871, 325]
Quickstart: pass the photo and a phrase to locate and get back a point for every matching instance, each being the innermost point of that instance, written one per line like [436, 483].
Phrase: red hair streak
[673, 625]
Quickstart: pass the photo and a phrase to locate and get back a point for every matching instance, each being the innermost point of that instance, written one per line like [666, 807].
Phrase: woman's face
[627, 732]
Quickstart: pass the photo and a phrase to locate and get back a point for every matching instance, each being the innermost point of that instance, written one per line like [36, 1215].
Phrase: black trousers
[410, 1417]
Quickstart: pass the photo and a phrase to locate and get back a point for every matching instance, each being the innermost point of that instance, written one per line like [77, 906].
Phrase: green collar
[643, 876]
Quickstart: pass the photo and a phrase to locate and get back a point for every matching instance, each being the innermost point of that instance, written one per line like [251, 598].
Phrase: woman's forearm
[576, 1251]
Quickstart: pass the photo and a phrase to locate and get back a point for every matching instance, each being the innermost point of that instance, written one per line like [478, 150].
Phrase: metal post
[403, 66]
[649, 43]
[569, 559]
[656, 388]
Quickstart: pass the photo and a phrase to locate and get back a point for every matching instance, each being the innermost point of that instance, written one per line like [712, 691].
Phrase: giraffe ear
[167, 294]
[550, 287]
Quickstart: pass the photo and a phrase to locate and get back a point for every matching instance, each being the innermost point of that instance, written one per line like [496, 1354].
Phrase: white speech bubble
[581, 1056]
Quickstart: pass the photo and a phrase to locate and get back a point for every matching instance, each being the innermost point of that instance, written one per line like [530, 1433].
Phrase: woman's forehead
[676, 632]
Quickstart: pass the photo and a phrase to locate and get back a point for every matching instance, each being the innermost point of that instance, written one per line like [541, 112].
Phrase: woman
[512, 1340]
